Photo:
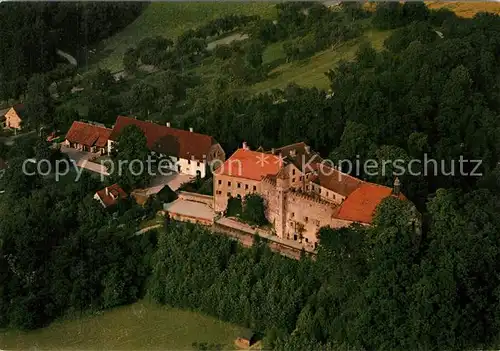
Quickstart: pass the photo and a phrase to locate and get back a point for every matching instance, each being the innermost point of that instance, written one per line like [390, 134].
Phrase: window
[327, 194]
[239, 185]
[228, 183]
[333, 195]
[220, 182]
[198, 164]
[254, 188]
[246, 186]
[293, 180]
[293, 171]
[228, 194]
[293, 214]
[319, 190]
[295, 237]
[307, 240]
[306, 219]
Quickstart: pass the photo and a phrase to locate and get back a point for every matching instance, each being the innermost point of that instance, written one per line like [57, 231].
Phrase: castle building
[301, 192]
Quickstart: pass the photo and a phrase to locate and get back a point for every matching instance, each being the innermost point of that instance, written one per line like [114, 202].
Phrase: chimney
[273, 150]
[308, 149]
[292, 152]
[245, 146]
[191, 129]
[107, 191]
[397, 187]
[168, 124]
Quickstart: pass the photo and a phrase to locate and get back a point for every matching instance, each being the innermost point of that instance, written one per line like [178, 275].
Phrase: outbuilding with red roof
[87, 137]
[110, 195]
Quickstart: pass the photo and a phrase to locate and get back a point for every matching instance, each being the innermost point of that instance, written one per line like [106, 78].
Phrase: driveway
[9, 141]
[82, 160]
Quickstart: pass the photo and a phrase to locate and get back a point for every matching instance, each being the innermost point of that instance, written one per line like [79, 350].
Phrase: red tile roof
[334, 180]
[360, 205]
[250, 165]
[111, 194]
[166, 140]
[88, 134]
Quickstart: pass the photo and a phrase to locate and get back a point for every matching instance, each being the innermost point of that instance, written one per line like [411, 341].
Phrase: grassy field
[462, 9]
[466, 9]
[311, 72]
[170, 19]
[140, 326]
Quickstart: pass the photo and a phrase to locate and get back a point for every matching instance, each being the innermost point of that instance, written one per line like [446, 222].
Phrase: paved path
[9, 141]
[147, 229]
[226, 40]
[66, 56]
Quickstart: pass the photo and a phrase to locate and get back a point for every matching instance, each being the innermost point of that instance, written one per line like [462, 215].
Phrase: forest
[432, 92]
[31, 33]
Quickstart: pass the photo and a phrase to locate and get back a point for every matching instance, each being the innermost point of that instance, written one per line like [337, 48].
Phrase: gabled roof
[166, 140]
[299, 154]
[88, 134]
[360, 205]
[20, 109]
[249, 164]
[334, 180]
[111, 194]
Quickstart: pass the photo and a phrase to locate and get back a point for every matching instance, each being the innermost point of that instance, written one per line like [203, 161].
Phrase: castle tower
[282, 186]
[397, 187]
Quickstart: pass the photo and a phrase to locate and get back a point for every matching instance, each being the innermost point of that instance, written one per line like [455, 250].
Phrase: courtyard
[82, 159]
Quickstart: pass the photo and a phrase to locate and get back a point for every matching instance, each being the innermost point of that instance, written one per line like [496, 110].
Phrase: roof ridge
[93, 125]
[297, 143]
[164, 126]
[343, 173]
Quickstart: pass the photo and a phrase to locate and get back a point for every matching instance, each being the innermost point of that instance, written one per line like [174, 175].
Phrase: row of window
[306, 219]
[197, 163]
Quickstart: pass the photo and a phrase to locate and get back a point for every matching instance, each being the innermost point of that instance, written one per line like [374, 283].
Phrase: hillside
[311, 72]
[170, 19]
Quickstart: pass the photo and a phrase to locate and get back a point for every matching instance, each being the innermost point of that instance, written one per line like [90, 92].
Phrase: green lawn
[311, 72]
[140, 326]
[170, 19]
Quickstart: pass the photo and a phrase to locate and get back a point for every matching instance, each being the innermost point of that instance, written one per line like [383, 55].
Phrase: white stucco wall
[186, 167]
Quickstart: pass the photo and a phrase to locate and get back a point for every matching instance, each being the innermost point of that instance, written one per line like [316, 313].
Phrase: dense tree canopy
[430, 93]
[31, 33]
